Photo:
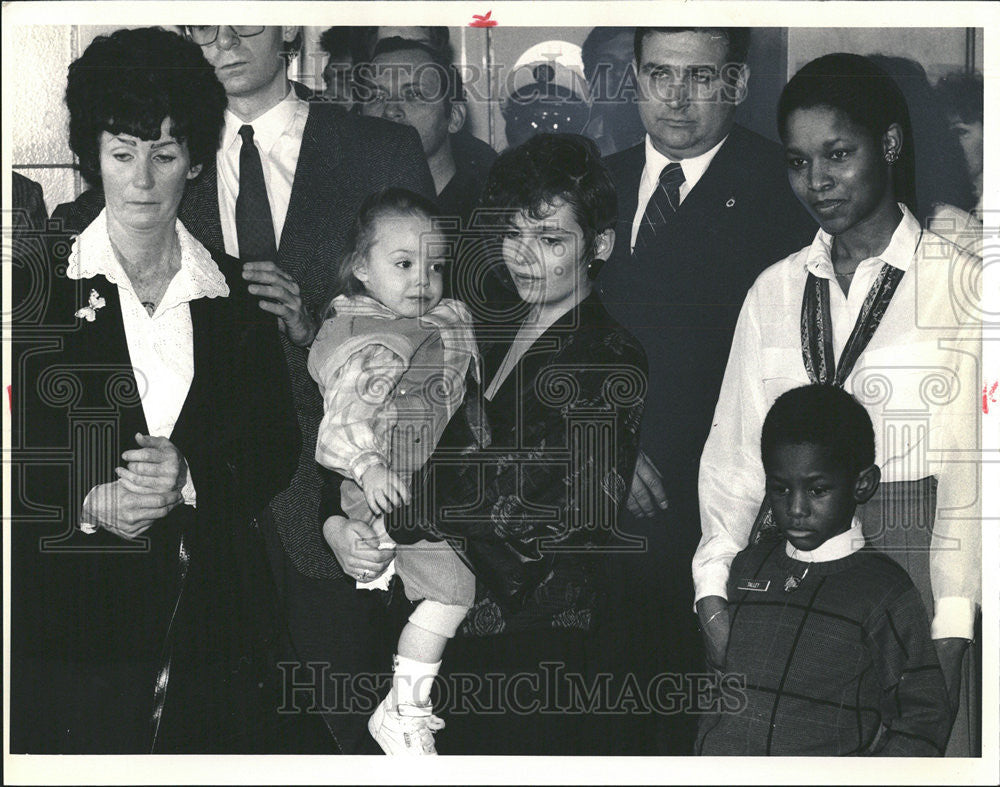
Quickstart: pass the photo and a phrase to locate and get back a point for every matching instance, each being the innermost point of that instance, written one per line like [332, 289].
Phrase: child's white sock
[412, 680]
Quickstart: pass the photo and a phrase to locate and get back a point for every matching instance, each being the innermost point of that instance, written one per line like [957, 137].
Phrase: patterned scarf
[816, 328]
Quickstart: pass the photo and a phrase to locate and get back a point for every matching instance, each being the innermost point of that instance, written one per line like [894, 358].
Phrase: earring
[594, 268]
[891, 156]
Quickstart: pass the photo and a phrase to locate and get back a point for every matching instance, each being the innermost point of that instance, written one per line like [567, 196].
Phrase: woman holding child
[883, 308]
[530, 511]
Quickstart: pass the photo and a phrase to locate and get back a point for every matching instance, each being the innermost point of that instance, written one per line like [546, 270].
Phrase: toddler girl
[391, 362]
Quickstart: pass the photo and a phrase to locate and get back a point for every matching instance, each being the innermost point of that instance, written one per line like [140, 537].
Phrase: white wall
[938, 50]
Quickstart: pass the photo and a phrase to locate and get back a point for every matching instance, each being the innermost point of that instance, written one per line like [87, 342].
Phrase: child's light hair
[392, 202]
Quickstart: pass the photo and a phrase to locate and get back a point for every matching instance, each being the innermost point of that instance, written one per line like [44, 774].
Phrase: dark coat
[535, 513]
[343, 158]
[681, 300]
[28, 203]
[91, 613]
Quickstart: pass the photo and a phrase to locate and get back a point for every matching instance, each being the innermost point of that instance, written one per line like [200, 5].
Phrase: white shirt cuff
[711, 580]
[87, 527]
[953, 617]
[364, 463]
[188, 493]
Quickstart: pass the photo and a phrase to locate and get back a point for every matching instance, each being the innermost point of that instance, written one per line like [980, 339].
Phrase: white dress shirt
[918, 378]
[840, 545]
[277, 134]
[693, 169]
[161, 346]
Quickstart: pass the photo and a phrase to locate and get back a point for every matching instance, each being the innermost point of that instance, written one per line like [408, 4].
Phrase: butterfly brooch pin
[89, 312]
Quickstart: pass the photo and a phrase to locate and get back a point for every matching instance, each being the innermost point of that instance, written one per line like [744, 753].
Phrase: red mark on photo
[10, 400]
[989, 395]
[483, 21]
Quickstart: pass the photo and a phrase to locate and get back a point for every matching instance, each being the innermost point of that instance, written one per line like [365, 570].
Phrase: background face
[409, 89]
[338, 80]
[970, 137]
[685, 103]
[613, 90]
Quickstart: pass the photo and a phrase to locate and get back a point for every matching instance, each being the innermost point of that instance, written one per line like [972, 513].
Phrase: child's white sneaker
[406, 730]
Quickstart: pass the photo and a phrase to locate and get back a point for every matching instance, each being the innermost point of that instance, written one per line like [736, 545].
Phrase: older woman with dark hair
[889, 311]
[152, 419]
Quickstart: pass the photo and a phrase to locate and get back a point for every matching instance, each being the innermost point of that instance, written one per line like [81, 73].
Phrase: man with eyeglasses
[317, 163]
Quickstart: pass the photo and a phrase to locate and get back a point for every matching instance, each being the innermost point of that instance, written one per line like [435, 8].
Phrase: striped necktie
[663, 203]
[254, 227]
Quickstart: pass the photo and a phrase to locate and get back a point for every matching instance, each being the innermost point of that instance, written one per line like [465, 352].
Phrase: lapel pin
[730, 202]
[89, 312]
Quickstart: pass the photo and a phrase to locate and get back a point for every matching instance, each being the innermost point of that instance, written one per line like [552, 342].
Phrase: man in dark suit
[703, 207]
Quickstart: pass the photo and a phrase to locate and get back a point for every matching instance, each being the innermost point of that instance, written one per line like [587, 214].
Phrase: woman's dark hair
[388, 202]
[941, 173]
[345, 42]
[868, 97]
[822, 415]
[961, 95]
[547, 168]
[129, 81]
[591, 49]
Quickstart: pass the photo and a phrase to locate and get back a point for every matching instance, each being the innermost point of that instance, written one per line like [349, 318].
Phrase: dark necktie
[254, 227]
[662, 204]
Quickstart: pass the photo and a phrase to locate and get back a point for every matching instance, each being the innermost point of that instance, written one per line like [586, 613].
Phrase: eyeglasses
[204, 35]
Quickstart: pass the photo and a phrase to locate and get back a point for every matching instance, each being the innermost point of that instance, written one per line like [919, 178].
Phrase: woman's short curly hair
[549, 168]
[129, 81]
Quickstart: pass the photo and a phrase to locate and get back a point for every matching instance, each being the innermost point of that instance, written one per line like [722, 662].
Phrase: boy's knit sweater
[841, 665]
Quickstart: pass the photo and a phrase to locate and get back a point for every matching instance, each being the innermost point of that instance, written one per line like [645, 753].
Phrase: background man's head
[690, 82]
[412, 84]
[607, 55]
[344, 48]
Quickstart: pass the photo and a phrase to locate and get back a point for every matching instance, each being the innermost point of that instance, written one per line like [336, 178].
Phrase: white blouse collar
[899, 253]
[199, 277]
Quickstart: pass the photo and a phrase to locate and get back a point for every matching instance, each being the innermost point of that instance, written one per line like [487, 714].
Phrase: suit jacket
[91, 613]
[682, 299]
[28, 203]
[343, 158]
